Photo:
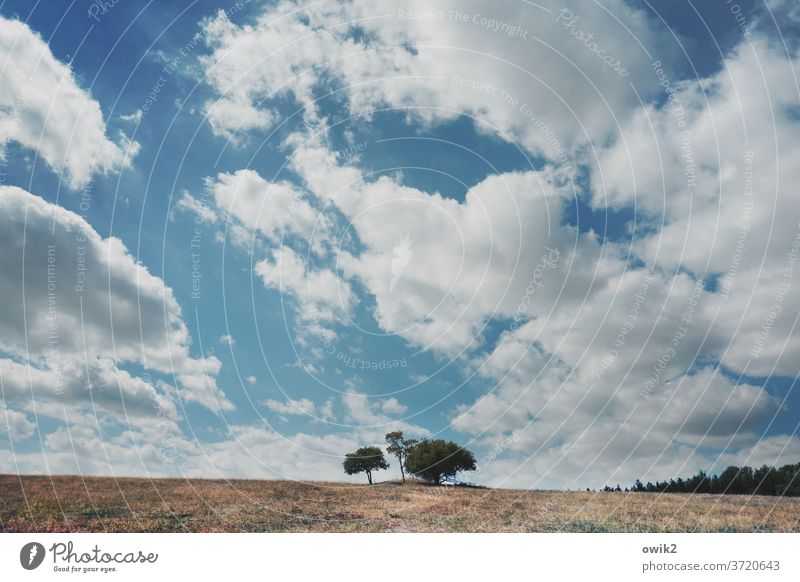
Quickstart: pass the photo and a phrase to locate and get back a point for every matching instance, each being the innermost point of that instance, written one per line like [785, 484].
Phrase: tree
[365, 460]
[399, 447]
[734, 481]
[438, 460]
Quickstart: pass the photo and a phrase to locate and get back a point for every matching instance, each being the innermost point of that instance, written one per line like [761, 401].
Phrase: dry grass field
[72, 504]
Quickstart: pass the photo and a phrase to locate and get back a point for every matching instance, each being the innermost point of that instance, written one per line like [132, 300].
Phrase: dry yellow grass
[69, 503]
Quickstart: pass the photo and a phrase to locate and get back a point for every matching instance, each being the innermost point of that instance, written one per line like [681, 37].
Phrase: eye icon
[31, 555]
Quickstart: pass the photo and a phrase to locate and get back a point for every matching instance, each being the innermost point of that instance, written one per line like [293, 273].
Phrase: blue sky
[471, 214]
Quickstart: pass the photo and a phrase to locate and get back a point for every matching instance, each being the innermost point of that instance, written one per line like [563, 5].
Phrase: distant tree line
[783, 481]
[437, 461]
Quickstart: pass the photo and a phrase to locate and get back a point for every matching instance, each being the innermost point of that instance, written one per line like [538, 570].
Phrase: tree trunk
[369, 477]
[403, 473]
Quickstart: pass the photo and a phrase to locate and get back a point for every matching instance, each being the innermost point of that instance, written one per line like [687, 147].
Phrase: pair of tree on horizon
[433, 460]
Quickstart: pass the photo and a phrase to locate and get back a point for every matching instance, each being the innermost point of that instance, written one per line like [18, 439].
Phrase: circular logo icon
[31, 555]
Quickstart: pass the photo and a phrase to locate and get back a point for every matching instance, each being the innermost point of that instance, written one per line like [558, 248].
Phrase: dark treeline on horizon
[783, 481]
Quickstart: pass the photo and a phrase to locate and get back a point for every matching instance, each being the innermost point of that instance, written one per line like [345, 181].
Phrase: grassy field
[70, 504]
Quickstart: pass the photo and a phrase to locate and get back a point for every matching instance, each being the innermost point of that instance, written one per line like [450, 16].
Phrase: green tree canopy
[365, 460]
[438, 460]
[781, 481]
[399, 447]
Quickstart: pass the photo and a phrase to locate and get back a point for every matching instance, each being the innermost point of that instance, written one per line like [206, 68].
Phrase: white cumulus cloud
[43, 108]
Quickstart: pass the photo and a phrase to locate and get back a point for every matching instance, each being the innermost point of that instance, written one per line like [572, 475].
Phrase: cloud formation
[621, 351]
[42, 108]
[78, 307]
